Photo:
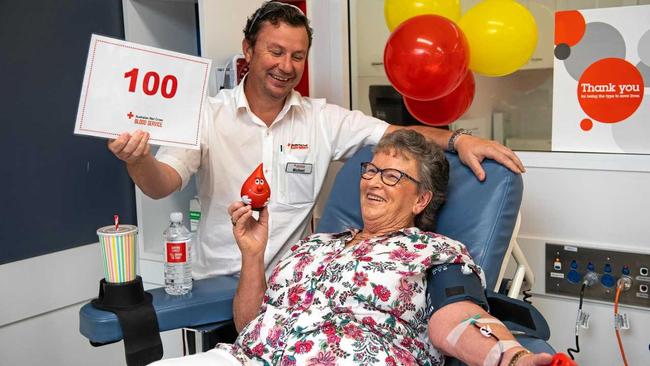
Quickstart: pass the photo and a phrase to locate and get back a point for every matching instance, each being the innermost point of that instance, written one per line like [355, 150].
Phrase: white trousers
[213, 357]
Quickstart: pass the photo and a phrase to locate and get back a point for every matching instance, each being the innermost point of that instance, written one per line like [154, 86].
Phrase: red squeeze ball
[256, 191]
[560, 359]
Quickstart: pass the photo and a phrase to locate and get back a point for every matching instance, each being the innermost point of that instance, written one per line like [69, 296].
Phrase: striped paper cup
[118, 252]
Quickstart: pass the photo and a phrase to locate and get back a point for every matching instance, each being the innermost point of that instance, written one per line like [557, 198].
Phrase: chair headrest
[481, 215]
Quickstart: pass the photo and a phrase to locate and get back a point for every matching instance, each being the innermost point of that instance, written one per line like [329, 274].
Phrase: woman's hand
[535, 359]
[251, 235]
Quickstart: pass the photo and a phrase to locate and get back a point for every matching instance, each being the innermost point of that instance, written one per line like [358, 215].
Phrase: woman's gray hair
[433, 169]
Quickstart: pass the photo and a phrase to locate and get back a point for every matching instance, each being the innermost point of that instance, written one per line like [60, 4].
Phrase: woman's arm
[251, 236]
[452, 330]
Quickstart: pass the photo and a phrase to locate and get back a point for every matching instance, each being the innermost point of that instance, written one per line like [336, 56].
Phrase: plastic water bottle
[178, 263]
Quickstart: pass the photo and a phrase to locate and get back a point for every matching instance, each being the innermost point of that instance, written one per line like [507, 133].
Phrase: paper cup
[118, 252]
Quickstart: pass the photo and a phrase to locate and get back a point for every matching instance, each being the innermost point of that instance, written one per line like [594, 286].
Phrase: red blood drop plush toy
[256, 191]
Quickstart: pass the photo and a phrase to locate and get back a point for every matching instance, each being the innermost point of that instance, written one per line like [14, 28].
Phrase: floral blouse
[362, 305]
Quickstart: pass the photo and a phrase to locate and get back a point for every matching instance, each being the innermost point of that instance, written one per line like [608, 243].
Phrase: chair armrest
[519, 316]
[209, 302]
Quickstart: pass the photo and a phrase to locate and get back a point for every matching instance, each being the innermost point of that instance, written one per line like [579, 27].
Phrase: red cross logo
[130, 115]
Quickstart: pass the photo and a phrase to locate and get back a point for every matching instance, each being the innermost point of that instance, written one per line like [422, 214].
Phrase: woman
[358, 297]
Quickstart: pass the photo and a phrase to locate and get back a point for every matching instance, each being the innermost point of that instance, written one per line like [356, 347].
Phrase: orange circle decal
[569, 27]
[610, 90]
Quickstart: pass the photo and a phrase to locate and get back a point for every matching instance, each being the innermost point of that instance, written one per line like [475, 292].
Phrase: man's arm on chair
[471, 150]
[453, 331]
[251, 236]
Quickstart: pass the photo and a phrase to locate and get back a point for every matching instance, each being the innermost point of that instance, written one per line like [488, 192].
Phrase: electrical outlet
[568, 267]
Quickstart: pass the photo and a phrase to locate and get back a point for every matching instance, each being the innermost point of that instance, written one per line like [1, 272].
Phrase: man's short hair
[275, 12]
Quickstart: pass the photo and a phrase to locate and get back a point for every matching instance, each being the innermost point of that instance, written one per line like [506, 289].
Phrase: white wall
[596, 201]
[40, 303]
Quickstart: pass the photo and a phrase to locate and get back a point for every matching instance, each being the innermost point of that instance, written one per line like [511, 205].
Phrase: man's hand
[251, 235]
[131, 148]
[472, 150]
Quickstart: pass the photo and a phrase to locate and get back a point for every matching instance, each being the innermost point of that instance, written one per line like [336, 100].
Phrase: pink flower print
[396, 312]
[303, 262]
[406, 342]
[352, 331]
[427, 262]
[420, 246]
[256, 330]
[322, 359]
[274, 275]
[390, 361]
[304, 346]
[369, 321]
[365, 259]
[273, 336]
[320, 270]
[404, 357]
[405, 290]
[329, 293]
[402, 255]
[362, 250]
[295, 293]
[360, 279]
[463, 250]
[309, 298]
[288, 361]
[382, 292]
[333, 339]
[329, 328]
[258, 350]
[293, 248]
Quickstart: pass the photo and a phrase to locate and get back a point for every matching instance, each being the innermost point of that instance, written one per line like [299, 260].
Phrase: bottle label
[176, 252]
[195, 217]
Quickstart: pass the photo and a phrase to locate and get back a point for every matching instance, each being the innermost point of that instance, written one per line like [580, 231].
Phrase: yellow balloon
[502, 36]
[397, 11]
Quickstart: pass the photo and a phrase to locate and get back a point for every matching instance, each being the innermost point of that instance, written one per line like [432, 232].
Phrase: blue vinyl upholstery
[209, 302]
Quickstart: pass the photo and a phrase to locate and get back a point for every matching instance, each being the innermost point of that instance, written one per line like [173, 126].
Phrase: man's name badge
[300, 168]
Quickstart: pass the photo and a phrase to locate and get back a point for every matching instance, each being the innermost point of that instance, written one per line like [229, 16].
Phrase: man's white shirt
[306, 136]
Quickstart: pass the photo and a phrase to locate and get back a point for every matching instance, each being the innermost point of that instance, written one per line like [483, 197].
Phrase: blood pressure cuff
[447, 284]
[134, 310]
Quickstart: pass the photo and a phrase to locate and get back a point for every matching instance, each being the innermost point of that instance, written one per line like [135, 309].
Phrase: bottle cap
[176, 216]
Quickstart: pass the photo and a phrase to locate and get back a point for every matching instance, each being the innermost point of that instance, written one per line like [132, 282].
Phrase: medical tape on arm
[495, 354]
[458, 330]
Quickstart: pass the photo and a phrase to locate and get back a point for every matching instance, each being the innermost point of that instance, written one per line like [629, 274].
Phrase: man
[265, 120]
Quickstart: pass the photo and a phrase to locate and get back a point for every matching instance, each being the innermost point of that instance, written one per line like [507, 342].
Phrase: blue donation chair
[482, 215]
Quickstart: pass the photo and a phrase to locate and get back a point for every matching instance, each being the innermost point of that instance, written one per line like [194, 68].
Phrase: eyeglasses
[389, 176]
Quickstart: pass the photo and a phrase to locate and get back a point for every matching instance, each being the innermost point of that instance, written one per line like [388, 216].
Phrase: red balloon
[445, 110]
[256, 191]
[426, 57]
